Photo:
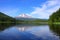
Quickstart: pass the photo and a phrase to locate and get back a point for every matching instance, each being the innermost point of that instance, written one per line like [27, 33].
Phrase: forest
[7, 20]
[55, 17]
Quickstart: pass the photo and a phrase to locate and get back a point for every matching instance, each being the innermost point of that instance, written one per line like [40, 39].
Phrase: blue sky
[35, 8]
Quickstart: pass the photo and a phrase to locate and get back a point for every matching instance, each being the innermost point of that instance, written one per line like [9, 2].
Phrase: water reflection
[4, 26]
[55, 29]
[24, 32]
[41, 32]
[24, 28]
[21, 28]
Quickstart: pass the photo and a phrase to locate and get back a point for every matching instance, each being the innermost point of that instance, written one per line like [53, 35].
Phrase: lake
[30, 32]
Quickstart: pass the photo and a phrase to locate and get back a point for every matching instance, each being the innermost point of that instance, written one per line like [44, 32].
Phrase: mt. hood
[24, 16]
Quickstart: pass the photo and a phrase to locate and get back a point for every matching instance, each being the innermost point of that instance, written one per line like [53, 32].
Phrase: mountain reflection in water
[24, 32]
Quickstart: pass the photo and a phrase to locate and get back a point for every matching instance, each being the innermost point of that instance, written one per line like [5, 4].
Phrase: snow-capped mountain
[24, 16]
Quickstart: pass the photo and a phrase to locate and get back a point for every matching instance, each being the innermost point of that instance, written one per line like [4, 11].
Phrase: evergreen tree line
[7, 19]
[55, 17]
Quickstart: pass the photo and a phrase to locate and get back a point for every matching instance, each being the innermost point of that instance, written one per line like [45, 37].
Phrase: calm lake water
[30, 32]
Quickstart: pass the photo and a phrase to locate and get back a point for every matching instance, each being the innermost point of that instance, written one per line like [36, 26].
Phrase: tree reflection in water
[4, 26]
[55, 29]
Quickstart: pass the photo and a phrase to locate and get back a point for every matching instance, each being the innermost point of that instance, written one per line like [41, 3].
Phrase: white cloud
[47, 9]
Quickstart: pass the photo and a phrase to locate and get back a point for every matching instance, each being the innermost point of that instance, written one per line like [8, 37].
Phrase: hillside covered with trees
[5, 19]
[55, 17]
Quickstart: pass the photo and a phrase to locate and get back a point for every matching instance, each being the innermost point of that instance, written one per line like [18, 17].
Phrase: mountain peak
[24, 16]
